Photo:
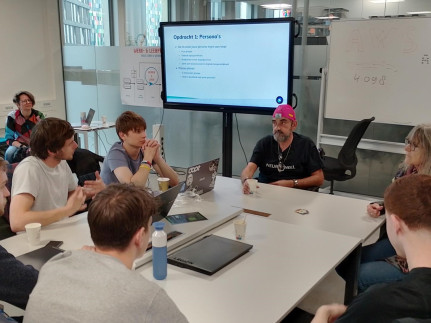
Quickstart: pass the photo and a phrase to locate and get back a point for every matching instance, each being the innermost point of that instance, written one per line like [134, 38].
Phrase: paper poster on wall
[141, 76]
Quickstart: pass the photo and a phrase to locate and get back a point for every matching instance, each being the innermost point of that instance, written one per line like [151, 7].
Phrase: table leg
[85, 134]
[96, 142]
[351, 265]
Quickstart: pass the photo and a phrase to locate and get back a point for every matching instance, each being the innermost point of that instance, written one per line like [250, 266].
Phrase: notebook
[209, 255]
[201, 178]
[37, 258]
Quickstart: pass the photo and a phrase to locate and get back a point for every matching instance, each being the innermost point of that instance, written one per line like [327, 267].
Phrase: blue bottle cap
[159, 225]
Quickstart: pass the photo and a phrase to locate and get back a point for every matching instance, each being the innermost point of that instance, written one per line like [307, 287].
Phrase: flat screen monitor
[241, 66]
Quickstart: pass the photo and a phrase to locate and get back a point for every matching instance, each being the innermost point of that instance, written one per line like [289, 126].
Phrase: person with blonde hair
[379, 262]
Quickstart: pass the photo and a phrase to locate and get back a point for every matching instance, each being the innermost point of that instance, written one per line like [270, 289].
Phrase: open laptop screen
[165, 201]
[201, 178]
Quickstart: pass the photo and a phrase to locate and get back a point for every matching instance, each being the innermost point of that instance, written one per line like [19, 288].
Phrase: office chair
[84, 163]
[343, 168]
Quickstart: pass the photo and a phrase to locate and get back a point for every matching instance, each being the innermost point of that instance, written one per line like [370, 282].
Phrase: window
[86, 22]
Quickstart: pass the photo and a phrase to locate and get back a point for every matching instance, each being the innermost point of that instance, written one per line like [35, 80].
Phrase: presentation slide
[237, 64]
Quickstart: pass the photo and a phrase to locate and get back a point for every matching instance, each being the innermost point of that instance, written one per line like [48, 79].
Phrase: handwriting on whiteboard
[370, 79]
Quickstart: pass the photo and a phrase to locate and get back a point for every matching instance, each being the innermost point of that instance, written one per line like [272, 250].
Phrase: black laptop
[37, 258]
[201, 178]
[166, 200]
[90, 117]
[209, 255]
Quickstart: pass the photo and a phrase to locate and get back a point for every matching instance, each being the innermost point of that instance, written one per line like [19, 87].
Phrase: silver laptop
[201, 178]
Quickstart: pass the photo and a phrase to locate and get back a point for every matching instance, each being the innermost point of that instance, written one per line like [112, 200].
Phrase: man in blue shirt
[17, 280]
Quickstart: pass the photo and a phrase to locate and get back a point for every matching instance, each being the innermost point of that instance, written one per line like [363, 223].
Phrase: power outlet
[159, 135]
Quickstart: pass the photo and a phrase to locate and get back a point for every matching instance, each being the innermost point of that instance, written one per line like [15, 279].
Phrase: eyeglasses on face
[25, 101]
[411, 145]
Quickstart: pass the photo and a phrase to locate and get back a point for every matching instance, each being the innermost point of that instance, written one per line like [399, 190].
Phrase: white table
[95, 127]
[74, 231]
[327, 212]
[285, 263]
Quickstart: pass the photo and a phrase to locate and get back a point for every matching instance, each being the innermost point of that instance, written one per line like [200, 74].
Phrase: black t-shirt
[298, 161]
[410, 297]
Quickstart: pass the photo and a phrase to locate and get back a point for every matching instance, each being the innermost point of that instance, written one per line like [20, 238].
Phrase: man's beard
[280, 137]
[60, 155]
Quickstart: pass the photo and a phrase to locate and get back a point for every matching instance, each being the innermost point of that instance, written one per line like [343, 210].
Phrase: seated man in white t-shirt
[43, 187]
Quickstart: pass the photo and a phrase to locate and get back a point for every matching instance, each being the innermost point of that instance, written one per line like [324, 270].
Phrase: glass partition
[92, 79]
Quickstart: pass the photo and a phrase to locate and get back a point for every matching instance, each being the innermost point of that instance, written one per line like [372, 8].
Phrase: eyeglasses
[25, 101]
[411, 145]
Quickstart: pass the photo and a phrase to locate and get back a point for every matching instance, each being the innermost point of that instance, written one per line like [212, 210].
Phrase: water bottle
[160, 258]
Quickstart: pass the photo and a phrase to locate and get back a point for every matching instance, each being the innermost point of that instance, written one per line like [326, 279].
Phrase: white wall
[30, 55]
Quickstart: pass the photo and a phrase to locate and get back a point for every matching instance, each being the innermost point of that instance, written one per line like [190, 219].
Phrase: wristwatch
[295, 182]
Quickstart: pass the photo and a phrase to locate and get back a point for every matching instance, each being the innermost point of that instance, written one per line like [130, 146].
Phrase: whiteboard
[381, 68]
[30, 56]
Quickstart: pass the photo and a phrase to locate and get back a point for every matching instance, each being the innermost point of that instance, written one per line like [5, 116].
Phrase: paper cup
[33, 233]
[252, 185]
[240, 228]
[83, 118]
[163, 183]
[104, 120]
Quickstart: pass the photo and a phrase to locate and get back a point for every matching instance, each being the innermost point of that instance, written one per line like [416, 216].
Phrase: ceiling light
[277, 6]
[385, 1]
[418, 12]
[328, 17]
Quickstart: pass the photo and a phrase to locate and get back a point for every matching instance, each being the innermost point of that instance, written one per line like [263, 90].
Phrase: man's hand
[374, 209]
[245, 188]
[92, 187]
[150, 149]
[76, 201]
[329, 313]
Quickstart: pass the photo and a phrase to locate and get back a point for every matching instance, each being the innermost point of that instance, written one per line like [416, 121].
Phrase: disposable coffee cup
[33, 233]
[252, 185]
[104, 120]
[163, 183]
[240, 228]
[83, 118]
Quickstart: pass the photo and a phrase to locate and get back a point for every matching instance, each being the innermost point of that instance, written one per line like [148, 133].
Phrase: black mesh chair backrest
[347, 155]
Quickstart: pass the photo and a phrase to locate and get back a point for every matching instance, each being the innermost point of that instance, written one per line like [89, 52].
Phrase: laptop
[90, 116]
[166, 200]
[88, 120]
[209, 255]
[201, 178]
[37, 258]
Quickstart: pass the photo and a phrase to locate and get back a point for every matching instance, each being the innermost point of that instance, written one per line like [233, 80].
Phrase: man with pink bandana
[286, 158]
